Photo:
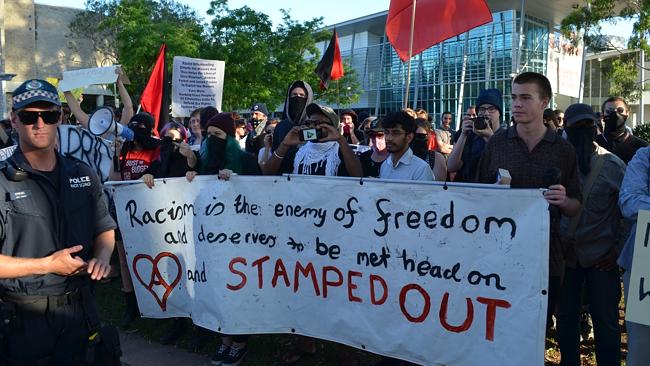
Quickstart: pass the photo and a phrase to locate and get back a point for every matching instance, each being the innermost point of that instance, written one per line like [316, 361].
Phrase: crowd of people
[594, 171]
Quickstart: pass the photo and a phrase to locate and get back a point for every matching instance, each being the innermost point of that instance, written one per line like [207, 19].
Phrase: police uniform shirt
[37, 219]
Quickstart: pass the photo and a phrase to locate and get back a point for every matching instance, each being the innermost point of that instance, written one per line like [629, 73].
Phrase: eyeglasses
[394, 132]
[490, 109]
[30, 117]
[619, 110]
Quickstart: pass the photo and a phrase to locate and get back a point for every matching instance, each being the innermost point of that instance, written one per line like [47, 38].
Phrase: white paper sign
[408, 270]
[564, 64]
[196, 83]
[82, 78]
[637, 308]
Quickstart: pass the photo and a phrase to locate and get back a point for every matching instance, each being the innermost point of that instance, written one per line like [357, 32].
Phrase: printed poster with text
[637, 307]
[435, 275]
[196, 83]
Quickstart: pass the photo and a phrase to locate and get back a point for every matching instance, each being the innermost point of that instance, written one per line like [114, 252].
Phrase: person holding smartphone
[475, 132]
[323, 150]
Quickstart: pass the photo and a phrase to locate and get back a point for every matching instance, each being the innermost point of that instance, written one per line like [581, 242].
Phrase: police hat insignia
[33, 85]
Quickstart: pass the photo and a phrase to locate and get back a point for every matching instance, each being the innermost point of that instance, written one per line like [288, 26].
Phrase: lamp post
[3, 100]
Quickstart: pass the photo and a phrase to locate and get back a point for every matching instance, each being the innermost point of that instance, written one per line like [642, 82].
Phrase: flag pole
[408, 73]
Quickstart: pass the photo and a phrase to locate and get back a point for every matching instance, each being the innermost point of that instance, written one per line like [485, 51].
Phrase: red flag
[330, 66]
[435, 21]
[154, 96]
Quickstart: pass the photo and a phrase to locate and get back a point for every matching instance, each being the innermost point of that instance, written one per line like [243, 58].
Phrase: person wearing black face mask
[615, 137]
[420, 147]
[299, 95]
[172, 162]
[590, 242]
[255, 139]
[137, 155]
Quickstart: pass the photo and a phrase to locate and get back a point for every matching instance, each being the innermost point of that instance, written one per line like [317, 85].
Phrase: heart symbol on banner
[156, 277]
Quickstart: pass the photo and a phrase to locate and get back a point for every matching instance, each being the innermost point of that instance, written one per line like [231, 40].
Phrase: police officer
[55, 237]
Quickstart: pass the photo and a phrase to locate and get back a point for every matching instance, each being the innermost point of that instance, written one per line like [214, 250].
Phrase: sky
[336, 11]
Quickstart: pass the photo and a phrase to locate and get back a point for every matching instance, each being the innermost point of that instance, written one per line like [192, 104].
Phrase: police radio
[13, 173]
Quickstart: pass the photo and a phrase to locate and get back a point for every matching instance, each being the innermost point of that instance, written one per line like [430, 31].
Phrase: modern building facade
[597, 83]
[36, 42]
[485, 57]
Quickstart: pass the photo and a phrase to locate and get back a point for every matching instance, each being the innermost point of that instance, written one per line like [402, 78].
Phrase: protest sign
[196, 83]
[564, 63]
[84, 77]
[80, 143]
[435, 275]
[637, 307]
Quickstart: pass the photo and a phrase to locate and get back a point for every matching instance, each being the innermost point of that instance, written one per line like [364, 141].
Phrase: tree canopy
[261, 60]
[622, 73]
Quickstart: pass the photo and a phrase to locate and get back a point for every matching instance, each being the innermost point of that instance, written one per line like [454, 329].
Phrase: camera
[311, 134]
[480, 123]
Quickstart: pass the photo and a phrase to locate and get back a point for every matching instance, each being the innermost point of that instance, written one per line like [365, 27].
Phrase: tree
[622, 72]
[261, 62]
[131, 31]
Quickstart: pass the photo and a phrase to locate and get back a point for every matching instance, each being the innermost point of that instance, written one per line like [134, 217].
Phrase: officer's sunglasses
[30, 117]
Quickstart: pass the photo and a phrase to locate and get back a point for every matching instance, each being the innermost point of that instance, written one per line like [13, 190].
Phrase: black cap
[579, 112]
[260, 107]
[34, 90]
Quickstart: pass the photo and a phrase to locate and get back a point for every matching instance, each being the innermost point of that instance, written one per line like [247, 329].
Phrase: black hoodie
[283, 128]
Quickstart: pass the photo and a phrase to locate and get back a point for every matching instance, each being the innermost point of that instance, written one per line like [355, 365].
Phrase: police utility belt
[41, 303]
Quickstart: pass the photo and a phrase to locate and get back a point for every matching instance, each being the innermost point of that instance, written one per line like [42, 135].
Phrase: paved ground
[138, 351]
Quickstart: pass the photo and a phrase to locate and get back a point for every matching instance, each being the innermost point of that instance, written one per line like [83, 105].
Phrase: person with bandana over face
[299, 96]
[616, 138]
[372, 159]
[330, 155]
[420, 147]
[255, 140]
[221, 153]
[173, 160]
[591, 242]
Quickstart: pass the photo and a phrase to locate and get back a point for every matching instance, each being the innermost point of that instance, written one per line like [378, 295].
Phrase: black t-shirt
[53, 177]
[370, 167]
[625, 149]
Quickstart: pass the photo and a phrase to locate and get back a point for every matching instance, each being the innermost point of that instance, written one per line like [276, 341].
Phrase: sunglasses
[29, 117]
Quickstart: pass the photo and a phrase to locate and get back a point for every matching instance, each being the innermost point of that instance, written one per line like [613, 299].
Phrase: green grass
[268, 349]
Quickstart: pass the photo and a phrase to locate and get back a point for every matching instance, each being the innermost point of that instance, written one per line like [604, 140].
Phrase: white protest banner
[83, 145]
[564, 64]
[78, 142]
[637, 308]
[84, 77]
[7, 152]
[196, 83]
[435, 276]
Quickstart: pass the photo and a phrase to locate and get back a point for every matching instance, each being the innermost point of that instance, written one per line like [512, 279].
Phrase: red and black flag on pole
[155, 96]
[330, 67]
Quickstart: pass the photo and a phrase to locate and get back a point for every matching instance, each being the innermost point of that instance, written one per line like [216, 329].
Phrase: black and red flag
[330, 67]
[155, 96]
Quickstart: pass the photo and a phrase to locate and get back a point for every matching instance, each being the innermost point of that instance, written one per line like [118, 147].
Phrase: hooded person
[323, 150]
[615, 137]
[222, 151]
[139, 154]
[349, 123]
[299, 95]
